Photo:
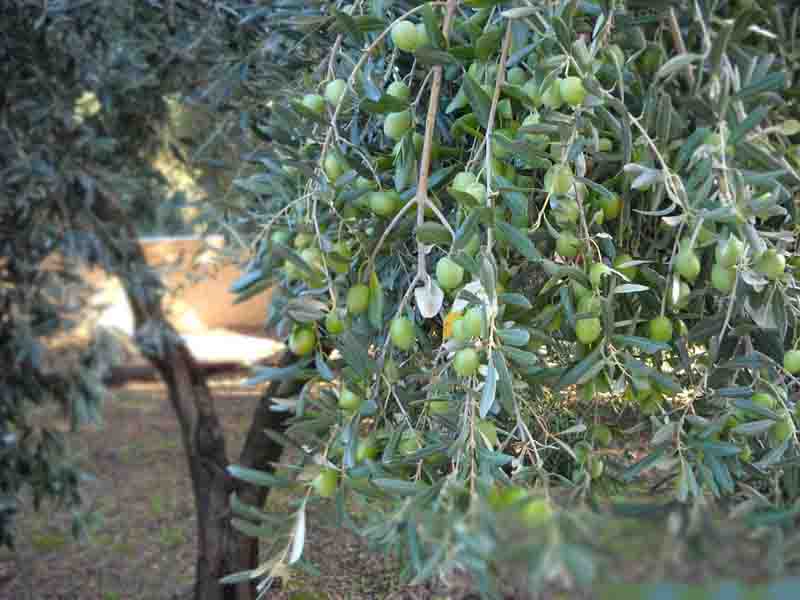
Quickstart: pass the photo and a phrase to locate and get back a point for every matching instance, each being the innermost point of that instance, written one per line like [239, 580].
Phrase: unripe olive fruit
[771, 264]
[552, 95]
[302, 240]
[333, 323]
[422, 36]
[302, 341]
[590, 304]
[597, 271]
[723, 279]
[402, 333]
[399, 90]
[362, 183]
[339, 259]
[396, 124]
[746, 455]
[384, 204]
[334, 91]
[449, 273]
[558, 179]
[588, 330]
[531, 89]
[567, 245]
[349, 401]
[315, 103]
[651, 59]
[366, 449]
[326, 482]
[660, 329]
[572, 91]
[473, 321]
[555, 323]
[405, 36]
[611, 206]
[764, 400]
[728, 252]
[477, 191]
[292, 271]
[791, 362]
[466, 362]
[567, 211]
[781, 430]
[460, 332]
[334, 166]
[358, 299]
[390, 369]
[596, 467]
[313, 257]
[582, 451]
[687, 264]
[463, 180]
[684, 291]
[516, 76]
[537, 513]
[579, 290]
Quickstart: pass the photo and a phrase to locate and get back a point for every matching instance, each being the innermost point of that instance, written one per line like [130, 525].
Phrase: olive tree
[475, 211]
[83, 108]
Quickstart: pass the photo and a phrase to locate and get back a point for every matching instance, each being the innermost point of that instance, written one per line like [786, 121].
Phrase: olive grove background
[534, 264]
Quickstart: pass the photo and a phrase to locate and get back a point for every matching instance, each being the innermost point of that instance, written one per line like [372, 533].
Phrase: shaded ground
[141, 545]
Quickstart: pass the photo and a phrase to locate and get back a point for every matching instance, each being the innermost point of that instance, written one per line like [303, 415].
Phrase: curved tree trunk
[221, 550]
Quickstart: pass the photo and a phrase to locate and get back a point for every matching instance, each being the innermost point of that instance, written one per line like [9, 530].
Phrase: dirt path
[140, 545]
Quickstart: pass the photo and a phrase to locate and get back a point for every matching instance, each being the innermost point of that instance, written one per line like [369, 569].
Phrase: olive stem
[501, 67]
[677, 38]
[421, 197]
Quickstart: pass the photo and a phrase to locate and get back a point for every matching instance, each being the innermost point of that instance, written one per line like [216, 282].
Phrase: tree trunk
[221, 550]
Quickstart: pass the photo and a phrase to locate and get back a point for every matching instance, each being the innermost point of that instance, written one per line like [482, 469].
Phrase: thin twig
[427, 145]
[677, 39]
[501, 68]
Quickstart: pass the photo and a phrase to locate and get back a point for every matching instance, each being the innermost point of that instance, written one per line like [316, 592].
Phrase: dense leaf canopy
[546, 246]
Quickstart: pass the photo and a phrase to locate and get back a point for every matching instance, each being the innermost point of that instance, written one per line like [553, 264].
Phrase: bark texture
[221, 550]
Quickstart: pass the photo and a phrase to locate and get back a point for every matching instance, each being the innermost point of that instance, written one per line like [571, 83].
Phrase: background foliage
[84, 109]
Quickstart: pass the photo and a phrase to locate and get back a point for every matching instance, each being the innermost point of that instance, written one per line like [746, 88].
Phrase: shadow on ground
[140, 545]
